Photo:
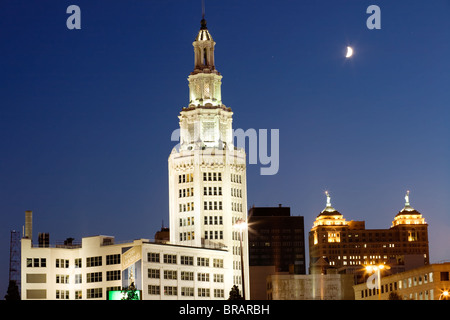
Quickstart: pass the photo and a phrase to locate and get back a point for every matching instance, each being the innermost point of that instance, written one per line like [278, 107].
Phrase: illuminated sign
[122, 295]
[131, 256]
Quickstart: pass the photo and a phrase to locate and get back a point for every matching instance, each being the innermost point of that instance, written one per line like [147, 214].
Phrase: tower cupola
[329, 216]
[408, 215]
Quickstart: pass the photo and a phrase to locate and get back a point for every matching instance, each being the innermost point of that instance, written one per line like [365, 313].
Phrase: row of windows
[213, 220]
[214, 235]
[93, 293]
[235, 192]
[184, 291]
[209, 191]
[189, 221]
[212, 205]
[208, 176]
[186, 236]
[209, 205]
[96, 293]
[404, 284]
[64, 263]
[183, 178]
[212, 191]
[212, 176]
[90, 277]
[236, 206]
[184, 207]
[187, 192]
[184, 260]
[236, 178]
[184, 275]
[410, 235]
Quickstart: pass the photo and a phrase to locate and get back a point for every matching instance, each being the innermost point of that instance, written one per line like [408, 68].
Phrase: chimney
[28, 225]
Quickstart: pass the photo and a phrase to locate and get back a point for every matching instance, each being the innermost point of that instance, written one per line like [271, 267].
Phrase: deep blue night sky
[86, 115]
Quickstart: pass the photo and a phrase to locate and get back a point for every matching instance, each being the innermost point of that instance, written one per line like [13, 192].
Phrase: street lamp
[241, 225]
[444, 295]
[377, 269]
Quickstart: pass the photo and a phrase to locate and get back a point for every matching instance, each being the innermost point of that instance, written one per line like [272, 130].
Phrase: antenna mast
[203, 9]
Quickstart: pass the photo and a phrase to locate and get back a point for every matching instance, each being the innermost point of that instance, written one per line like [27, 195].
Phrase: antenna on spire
[203, 9]
[203, 22]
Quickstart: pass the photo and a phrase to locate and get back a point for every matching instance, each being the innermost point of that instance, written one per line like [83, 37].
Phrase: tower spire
[203, 22]
[203, 9]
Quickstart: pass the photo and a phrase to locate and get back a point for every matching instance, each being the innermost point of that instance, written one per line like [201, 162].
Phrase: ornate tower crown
[329, 216]
[204, 51]
[205, 81]
[206, 123]
[408, 215]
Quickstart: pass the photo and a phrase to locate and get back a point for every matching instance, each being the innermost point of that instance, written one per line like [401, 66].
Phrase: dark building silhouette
[276, 239]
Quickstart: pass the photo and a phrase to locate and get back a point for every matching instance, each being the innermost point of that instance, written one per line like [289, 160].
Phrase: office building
[348, 246]
[430, 282]
[276, 239]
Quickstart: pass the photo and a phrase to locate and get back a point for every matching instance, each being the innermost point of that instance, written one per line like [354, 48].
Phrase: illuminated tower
[207, 174]
[412, 230]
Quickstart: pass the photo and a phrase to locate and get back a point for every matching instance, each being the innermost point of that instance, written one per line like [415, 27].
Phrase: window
[113, 259]
[444, 276]
[60, 263]
[94, 261]
[170, 274]
[186, 260]
[60, 278]
[187, 291]
[218, 263]
[218, 277]
[94, 277]
[187, 275]
[218, 293]
[170, 291]
[94, 293]
[113, 275]
[36, 262]
[170, 258]
[62, 294]
[203, 292]
[78, 279]
[153, 273]
[152, 289]
[203, 276]
[153, 257]
[78, 263]
[202, 262]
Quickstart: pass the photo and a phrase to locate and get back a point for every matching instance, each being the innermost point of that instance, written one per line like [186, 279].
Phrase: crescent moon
[349, 52]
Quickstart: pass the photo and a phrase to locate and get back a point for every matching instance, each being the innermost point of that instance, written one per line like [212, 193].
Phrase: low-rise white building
[99, 265]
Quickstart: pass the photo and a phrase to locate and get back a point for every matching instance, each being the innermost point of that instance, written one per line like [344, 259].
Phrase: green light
[120, 295]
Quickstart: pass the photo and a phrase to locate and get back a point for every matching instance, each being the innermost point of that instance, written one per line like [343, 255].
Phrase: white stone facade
[207, 174]
[89, 271]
